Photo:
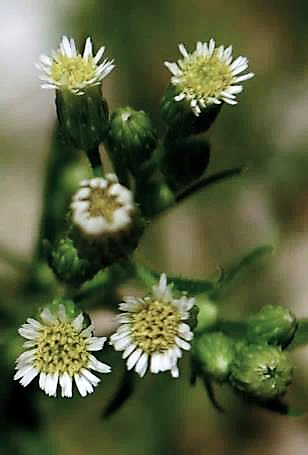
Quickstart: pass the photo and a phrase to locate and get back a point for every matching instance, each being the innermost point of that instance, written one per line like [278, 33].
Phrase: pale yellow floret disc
[204, 77]
[155, 326]
[102, 204]
[61, 348]
[72, 72]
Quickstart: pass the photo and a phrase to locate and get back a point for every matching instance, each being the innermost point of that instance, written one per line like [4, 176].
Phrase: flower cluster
[208, 75]
[58, 350]
[152, 332]
[68, 70]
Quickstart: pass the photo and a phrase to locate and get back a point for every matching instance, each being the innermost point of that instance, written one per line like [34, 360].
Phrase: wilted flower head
[152, 332]
[103, 207]
[208, 75]
[68, 70]
[59, 351]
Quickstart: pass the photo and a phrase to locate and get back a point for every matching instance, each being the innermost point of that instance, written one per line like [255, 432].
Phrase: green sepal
[272, 324]
[180, 118]
[83, 119]
[184, 161]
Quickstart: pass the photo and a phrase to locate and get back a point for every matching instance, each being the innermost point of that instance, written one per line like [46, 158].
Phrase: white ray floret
[60, 353]
[208, 75]
[102, 206]
[152, 332]
[68, 70]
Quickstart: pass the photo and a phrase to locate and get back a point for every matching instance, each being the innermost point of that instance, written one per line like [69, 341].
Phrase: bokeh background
[267, 132]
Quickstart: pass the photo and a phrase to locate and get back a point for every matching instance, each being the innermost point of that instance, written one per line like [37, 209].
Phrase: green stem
[96, 164]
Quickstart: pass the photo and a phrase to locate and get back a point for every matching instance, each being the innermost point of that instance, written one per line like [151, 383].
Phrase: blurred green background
[267, 132]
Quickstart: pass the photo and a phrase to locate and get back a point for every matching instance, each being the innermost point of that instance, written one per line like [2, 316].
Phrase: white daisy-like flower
[151, 330]
[68, 70]
[103, 207]
[208, 75]
[59, 352]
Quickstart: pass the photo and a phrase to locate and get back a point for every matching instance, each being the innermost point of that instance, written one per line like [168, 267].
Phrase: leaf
[301, 335]
[203, 183]
[240, 266]
[124, 392]
[281, 408]
[211, 394]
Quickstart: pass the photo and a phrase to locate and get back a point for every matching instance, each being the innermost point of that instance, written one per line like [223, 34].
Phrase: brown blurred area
[267, 132]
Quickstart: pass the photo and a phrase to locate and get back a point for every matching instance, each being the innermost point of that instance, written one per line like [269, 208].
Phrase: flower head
[208, 75]
[69, 70]
[102, 207]
[152, 332]
[59, 351]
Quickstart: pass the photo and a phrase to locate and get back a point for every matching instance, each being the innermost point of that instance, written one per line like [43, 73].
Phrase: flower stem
[95, 161]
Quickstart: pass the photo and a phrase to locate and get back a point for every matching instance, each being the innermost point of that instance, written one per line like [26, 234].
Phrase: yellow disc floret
[103, 204]
[61, 348]
[204, 76]
[155, 326]
[73, 72]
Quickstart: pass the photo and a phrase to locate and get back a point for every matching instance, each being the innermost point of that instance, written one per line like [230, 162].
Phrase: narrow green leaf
[204, 182]
[240, 266]
[124, 392]
[281, 408]
[211, 394]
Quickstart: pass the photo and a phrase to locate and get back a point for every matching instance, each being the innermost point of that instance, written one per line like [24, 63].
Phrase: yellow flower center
[72, 72]
[61, 348]
[102, 204]
[204, 77]
[155, 326]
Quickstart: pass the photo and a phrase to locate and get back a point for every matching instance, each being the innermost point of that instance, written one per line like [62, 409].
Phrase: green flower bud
[185, 161]
[180, 118]
[68, 265]
[214, 353]
[261, 372]
[131, 139]
[273, 324]
[208, 313]
[83, 118]
[105, 224]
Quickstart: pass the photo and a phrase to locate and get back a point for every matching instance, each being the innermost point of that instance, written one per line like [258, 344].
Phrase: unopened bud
[105, 223]
[131, 138]
[208, 312]
[261, 372]
[213, 353]
[273, 324]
